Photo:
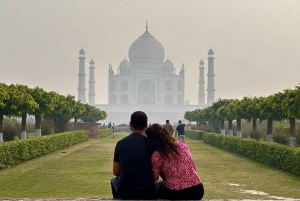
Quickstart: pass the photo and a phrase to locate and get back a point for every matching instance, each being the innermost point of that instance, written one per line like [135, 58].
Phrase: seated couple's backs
[139, 161]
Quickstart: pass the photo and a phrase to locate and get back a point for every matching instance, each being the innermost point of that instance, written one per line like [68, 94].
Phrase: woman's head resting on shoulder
[159, 139]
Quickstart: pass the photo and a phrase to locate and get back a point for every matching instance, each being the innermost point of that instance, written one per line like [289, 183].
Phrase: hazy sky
[256, 43]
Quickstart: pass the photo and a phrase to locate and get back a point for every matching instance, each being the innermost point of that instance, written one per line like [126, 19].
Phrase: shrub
[19, 151]
[105, 132]
[247, 129]
[282, 157]
[194, 134]
[207, 128]
[255, 135]
[47, 126]
[297, 140]
[280, 135]
[10, 129]
[193, 127]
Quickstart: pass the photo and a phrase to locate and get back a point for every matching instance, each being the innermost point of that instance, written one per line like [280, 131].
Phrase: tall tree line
[19, 101]
[280, 106]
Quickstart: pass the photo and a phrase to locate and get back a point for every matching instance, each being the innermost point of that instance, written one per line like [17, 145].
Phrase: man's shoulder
[133, 137]
[124, 139]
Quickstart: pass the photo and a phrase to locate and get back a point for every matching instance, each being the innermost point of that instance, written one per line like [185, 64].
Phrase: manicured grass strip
[85, 170]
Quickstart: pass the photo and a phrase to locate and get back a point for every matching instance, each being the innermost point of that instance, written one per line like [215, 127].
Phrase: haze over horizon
[256, 43]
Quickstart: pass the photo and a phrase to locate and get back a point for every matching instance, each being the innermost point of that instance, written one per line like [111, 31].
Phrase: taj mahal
[147, 81]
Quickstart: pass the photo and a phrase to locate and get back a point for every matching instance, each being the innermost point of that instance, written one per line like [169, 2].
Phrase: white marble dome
[125, 64]
[146, 49]
[168, 64]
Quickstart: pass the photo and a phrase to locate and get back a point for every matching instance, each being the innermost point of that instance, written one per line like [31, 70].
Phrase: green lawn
[85, 170]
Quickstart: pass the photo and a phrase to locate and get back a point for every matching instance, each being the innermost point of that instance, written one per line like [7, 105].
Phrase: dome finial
[146, 25]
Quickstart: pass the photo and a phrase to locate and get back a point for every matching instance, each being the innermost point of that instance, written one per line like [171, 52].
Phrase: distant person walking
[109, 125]
[169, 127]
[113, 127]
[180, 131]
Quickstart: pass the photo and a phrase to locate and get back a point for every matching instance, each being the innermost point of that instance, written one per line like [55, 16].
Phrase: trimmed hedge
[282, 157]
[194, 134]
[18, 151]
[105, 132]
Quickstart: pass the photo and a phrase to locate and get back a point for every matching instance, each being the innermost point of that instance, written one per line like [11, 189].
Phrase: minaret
[92, 84]
[81, 81]
[201, 95]
[210, 78]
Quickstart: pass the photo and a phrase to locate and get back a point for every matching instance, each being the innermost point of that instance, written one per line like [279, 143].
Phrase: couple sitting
[139, 160]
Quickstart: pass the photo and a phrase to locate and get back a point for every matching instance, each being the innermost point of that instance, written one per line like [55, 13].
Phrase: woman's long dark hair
[159, 139]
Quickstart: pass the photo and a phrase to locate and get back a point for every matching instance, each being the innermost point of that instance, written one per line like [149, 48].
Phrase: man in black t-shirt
[180, 131]
[132, 163]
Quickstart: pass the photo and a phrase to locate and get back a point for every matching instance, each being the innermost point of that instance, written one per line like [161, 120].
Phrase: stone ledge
[104, 199]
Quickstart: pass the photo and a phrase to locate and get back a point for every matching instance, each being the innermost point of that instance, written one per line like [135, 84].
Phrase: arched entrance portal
[146, 92]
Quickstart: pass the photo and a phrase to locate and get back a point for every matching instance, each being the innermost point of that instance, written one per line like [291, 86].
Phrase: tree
[92, 114]
[21, 103]
[78, 111]
[291, 105]
[63, 112]
[250, 108]
[234, 110]
[196, 116]
[271, 109]
[46, 102]
[4, 96]
[224, 114]
[217, 114]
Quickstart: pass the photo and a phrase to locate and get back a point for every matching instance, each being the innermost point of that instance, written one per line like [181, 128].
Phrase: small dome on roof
[168, 64]
[125, 64]
[210, 51]
[92, 61]
[201, 62]
[82, 51]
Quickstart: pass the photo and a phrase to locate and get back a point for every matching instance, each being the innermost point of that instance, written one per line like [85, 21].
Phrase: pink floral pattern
[179, 171]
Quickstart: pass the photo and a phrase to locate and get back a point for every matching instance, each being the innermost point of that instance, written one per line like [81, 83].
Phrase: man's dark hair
[167, 121]
[179, 121]
[138, 120]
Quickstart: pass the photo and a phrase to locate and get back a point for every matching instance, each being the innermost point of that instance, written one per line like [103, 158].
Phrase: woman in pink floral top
[172, 161]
